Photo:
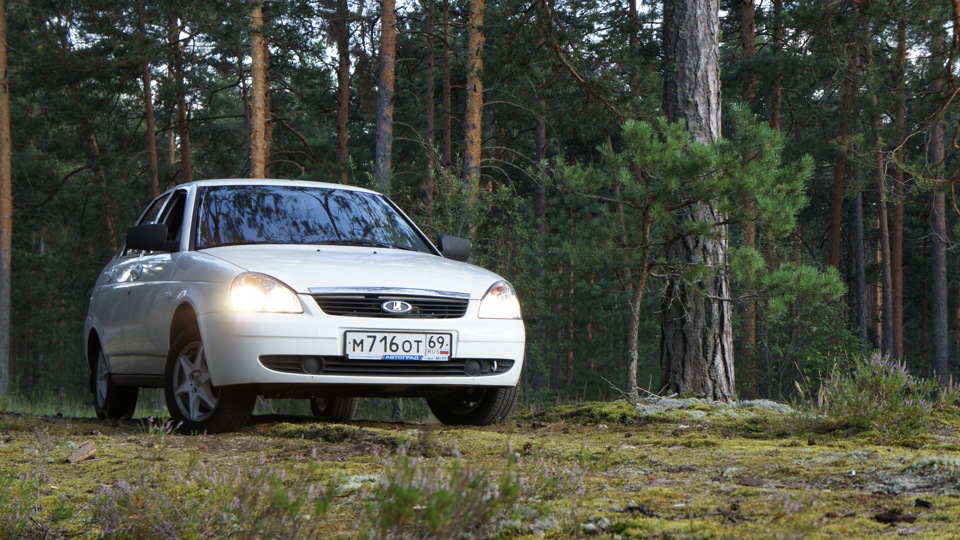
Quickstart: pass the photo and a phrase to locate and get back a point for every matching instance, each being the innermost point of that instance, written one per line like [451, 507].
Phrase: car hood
[323, 267]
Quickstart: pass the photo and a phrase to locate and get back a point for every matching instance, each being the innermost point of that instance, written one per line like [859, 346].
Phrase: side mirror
[151, 237]
[455, 248]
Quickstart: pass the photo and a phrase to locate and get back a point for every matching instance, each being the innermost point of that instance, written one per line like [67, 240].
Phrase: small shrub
[257, 503]
[876, 393]
[418, 498]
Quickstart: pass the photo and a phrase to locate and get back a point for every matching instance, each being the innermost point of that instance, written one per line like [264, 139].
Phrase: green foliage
[875, 393]
[419, 498]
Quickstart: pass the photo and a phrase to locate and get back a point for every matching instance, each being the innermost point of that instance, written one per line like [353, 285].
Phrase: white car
[231, 289]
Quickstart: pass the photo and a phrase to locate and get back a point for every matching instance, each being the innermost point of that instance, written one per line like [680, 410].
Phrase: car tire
[334, 409]
[474, 407]
[109, 400]
[195, 405]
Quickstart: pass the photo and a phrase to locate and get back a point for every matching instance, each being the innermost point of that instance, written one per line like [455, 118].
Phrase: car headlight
[261, 293]
[500, 302]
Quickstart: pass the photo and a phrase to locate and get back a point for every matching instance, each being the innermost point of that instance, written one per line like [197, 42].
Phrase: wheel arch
[184, 317]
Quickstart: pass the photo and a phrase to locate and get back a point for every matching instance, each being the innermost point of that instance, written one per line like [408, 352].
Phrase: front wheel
[474, 406]
[334, 409]
[109, 400]
[192, 400]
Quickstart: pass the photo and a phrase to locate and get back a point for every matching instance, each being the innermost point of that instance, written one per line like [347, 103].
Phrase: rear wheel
[474, 406]
[192, 399]
[109, 400]
[334, 409]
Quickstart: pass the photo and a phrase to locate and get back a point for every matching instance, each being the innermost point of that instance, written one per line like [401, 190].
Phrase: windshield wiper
[366, 243]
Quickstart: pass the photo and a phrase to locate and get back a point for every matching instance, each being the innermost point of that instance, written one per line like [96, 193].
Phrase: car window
[231, 215]
[173, 214]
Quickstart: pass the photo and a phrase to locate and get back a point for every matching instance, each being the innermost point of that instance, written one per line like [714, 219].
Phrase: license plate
[417, 347]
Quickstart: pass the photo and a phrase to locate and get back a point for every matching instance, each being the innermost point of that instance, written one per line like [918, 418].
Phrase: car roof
[267, 182]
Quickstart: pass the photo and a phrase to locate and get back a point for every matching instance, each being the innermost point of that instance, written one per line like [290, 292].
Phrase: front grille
[339, 365]
[369, 305]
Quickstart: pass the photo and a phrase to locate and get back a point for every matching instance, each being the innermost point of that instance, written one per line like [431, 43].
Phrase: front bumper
[283, 351]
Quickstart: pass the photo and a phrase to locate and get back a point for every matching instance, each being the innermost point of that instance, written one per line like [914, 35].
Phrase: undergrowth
[877, 394]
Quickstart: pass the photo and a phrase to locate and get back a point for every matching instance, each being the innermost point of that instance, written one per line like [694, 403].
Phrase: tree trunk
[446, 151]
[6, 208]
[839, 174]
[473, 119]
[748, 306]
[342, 29]
[859, 268]
[748, 38]
[148, 107]
[101, 180]
[430, 119]
[540, 191]
[259, 148]
[899, 195]
[183, 116]
[696, 343]
[776, 95]
[939, 340]
[383, 162]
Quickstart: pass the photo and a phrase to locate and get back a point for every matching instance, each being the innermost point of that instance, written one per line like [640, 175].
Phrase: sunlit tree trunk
[473, 121]
[776, 94]
[696, 342]
[260, 114]
[6, 208]
[342, 29]
[383, 162]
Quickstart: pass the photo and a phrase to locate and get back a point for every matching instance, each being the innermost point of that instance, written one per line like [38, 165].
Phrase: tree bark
[939, 340]
[430, 119]
[839, 174]
[748, 306]
[446, 151]
[148, 107]
[6, 208]
[473, 119]
[899, 195]
[342, 29]
[776, 94]
[260, 115]
[696, 343]
[383, 161]
[183, 116]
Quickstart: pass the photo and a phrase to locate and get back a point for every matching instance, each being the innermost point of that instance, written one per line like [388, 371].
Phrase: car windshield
[258, 214]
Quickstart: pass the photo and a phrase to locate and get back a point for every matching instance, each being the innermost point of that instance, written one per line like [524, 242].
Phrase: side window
[149, 216]
[172, 215]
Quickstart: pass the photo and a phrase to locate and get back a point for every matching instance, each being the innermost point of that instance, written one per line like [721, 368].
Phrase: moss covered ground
[594, 470]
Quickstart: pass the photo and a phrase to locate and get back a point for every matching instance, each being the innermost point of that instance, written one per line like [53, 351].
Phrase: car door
[151, 296]
[111, 310]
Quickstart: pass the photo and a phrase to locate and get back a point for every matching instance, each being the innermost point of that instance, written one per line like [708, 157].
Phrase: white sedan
[231, 289]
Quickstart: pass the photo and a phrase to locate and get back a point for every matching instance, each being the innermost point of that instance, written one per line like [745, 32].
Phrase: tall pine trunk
[183, 115]
[473, 118]
[148, 107]
[260, 114]
[446, 146]
[6, 208]
[430, 119]
[899, 195]
[939, 340]
[696, 342]
[342, 29]
[383, 162]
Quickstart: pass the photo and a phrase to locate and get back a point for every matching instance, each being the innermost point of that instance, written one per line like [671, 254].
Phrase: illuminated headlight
[500, 302]
[258, 292]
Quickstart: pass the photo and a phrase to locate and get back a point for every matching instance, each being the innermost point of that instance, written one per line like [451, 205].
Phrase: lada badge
[396, 307]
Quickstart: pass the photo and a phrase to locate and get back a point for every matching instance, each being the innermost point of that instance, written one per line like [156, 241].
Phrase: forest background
[854, 100]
